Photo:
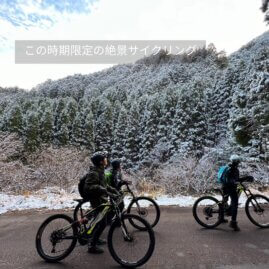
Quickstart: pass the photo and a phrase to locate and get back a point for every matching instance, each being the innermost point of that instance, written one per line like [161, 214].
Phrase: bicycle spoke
[60, 243]
[207, 211]
[133, 248]
[56, 238]
[259, 210]
[146, 208]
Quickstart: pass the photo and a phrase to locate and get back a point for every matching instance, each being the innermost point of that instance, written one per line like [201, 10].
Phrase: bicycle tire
[111, 247]
[39, 234]
[156, 209]
[247, 209]
[195, 214]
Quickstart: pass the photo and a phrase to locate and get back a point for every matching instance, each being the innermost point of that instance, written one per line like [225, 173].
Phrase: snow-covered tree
[265, 5]
[31, 131]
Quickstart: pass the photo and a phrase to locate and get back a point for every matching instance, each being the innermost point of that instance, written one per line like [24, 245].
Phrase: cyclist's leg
[234, 206]
[100, 227]
[234, 202]
[225, 194]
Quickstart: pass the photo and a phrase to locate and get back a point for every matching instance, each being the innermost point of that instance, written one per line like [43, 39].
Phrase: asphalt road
[180, 243]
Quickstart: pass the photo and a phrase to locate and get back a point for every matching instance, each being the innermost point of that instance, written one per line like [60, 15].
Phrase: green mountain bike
[144, 207]
[208, 211]
[58, 235]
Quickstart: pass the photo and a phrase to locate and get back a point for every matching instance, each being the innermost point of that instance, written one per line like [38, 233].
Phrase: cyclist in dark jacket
[97, 193]
[230, 189]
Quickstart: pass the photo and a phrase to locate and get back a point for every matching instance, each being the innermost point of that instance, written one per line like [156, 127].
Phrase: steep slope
[155, 109]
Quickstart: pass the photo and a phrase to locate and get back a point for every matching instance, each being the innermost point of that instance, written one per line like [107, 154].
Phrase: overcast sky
[228, 24]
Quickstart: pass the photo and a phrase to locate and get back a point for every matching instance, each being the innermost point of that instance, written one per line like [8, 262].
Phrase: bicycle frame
[106, 208]
[240, 189]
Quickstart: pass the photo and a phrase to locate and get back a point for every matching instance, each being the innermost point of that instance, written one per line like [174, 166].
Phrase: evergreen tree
[13, 119]
[132, 136]
[46, 121]
[103, 127]
[31, 131]
[88, 132]
[120, 136]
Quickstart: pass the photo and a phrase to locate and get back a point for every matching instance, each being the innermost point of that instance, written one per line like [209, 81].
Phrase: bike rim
[53, 240]
[134, 248]
[146, 210]
[259, 211]
[208, 212]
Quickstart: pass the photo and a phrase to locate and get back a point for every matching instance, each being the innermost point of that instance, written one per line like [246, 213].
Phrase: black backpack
[81, 186]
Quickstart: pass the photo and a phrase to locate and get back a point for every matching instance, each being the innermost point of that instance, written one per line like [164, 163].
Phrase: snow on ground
[49, 198]
[55, 198]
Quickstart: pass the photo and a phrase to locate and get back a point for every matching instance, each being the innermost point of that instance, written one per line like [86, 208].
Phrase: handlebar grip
[247, 179]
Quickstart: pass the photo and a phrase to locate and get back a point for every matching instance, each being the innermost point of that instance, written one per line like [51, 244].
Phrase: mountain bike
[208, 211]
[58, 235]
[144, 207]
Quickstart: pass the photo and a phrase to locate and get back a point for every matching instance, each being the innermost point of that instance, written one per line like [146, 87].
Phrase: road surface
[180, 243]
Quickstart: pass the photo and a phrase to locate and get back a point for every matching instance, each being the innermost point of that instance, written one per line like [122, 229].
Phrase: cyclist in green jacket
[114, 178]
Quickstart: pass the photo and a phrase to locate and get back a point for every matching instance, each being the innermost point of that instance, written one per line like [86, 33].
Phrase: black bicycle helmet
[98, 157]
[116, 163]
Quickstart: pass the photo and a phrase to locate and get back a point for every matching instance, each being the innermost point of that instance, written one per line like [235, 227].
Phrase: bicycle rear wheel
[128, 246]
[207, 212]
[146, 208]
[56, 238]
[257, 210]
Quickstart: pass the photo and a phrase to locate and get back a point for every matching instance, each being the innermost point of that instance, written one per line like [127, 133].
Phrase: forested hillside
[161, 109]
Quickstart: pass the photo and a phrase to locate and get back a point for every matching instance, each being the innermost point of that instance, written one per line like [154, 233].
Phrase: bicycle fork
[256, 207]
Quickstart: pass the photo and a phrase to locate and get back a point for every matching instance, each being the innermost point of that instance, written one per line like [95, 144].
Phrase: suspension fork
[130, 191]
[255, 205]
[123, 227]
[134, 198]
[124, 231]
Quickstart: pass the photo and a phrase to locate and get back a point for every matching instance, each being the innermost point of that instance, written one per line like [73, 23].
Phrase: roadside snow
[48, 198]
[55, 198]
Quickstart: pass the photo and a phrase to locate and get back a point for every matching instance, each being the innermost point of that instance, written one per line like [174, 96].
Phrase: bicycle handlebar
[246, 179]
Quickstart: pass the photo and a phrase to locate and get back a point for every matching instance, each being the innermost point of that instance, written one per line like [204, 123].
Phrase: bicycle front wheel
[257, 210]
[128, 246]
[56, 238]
[207, 212]
[146, 208]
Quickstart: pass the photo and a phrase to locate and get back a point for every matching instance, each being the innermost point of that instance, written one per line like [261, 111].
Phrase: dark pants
[231, 191]
[100, 226]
